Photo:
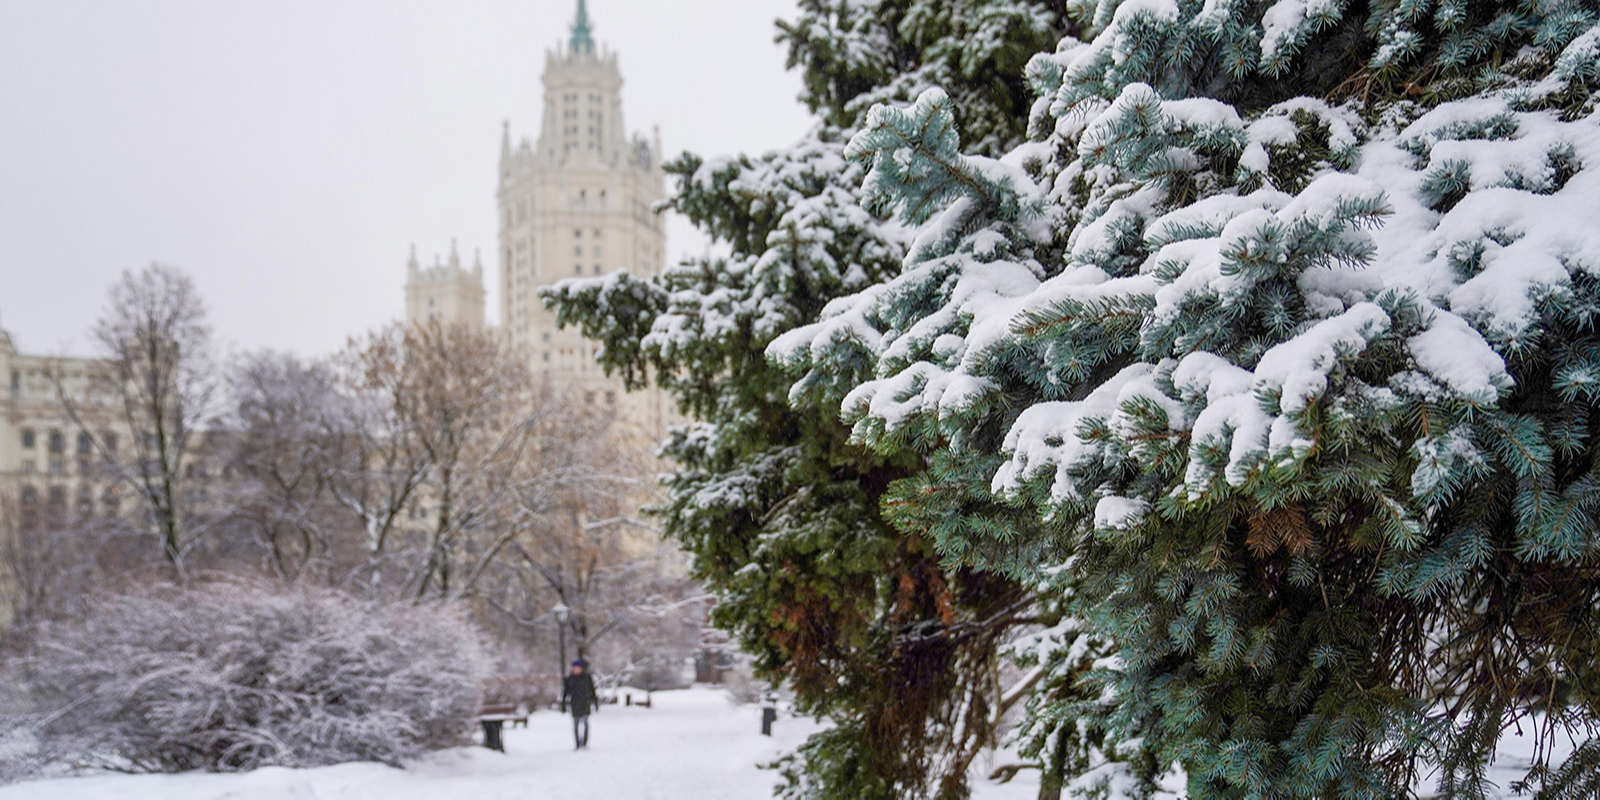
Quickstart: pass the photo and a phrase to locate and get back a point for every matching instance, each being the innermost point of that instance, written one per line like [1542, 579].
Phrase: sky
[288, 153]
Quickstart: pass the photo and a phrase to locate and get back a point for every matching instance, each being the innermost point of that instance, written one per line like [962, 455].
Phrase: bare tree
[157, 384]
[53, 558]
[375, 461]
[40, 566]
[286, 419]
[453, 452]
[476, 419]
[582, 568]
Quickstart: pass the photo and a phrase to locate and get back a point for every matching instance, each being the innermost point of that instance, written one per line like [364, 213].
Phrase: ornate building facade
[49, 466]
[52, 471]
[446, 291]
[575, 202]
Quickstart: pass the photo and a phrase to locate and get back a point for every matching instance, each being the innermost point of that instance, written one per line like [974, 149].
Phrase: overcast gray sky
[288, 152]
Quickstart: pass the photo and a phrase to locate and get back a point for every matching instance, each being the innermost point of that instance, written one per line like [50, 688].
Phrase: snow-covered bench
[493, 717]
[626, 696]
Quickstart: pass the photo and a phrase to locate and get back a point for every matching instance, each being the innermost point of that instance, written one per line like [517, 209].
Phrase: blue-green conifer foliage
[1271, 358]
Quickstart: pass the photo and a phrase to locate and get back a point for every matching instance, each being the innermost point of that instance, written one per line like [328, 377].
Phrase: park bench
[629, 696]
[493, 716]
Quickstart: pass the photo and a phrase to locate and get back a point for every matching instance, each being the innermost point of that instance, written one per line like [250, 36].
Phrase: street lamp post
[563, 613]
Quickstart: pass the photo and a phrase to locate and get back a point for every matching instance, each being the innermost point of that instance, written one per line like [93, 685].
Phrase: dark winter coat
[577, 691]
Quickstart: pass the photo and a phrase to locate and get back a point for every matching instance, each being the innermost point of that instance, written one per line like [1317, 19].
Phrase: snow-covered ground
[691, 744]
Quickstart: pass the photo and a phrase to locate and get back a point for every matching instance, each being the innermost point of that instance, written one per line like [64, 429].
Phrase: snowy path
[693, 744]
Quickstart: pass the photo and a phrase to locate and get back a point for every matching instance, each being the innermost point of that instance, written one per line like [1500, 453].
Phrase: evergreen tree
[782, 513]
[1280, 333]
[854, 54]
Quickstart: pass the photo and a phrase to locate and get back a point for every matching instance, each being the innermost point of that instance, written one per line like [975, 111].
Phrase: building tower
[577, 203]
[445, 292]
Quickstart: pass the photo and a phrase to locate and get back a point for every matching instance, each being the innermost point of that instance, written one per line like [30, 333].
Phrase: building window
[547, 355]
[27, 439]
[16, 380]
[111, 443]
[30, 495]
[577, 251]
[597, 251]
[577, 269]
[547, 337]
[597, 269]
[58, 443]
[85, 501]
[58, 466]
[577, 233]
[28, 466]
[84, 468]
[58, 497]
[85, 444]
[611, 397]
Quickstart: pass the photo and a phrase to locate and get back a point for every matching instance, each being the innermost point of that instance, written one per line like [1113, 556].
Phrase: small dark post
[769, 712]
[491, 735]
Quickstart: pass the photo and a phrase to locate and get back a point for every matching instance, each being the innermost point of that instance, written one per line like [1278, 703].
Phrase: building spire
[582, 42]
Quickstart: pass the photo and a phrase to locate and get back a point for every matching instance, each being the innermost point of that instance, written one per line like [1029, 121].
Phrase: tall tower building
[445, 291]
[577, 202]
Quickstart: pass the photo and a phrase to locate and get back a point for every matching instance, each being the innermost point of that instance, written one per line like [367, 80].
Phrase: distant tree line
[421, 465]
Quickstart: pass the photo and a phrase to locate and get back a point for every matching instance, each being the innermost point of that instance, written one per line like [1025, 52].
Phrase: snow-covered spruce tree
[1284, 326]
[781, 512]
[855, 53]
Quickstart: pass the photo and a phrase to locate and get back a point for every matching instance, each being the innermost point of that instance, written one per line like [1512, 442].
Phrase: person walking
[578, 695]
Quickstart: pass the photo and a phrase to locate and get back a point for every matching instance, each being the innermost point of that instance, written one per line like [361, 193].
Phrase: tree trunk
[1053, 779]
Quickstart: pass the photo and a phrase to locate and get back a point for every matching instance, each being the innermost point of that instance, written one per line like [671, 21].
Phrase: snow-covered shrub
[743, 688]
[19, 750]
[236, 676]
